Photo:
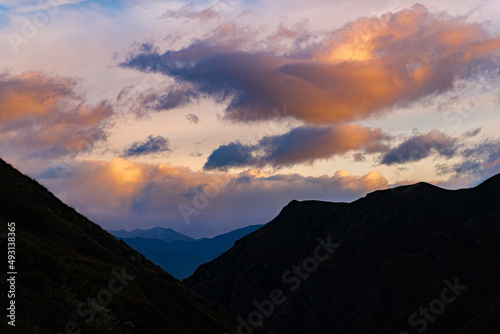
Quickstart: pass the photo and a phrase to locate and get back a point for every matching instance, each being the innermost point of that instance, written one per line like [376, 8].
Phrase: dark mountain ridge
[398, 249]
[72, 276]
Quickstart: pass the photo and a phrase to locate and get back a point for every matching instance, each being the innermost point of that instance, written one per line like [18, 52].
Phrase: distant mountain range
[411, 259]
[74, 277]
[161, 233]
[177, 253]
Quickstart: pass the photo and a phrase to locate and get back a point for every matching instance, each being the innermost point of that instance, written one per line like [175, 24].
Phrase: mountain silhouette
[375, 265]
[161, 233]
[180, 258]
[74, 277]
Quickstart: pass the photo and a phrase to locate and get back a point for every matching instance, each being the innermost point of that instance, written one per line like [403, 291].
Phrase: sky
[209, 116]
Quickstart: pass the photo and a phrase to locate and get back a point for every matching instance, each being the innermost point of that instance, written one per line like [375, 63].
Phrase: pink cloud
[43, 116]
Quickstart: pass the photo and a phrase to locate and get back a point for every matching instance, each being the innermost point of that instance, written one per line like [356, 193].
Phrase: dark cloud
[472, 133]
[151, 145]
[192, 118]
[156, 98]
[230, 155]
[486, 150]
[363, 69]
[462, 168]
[177, 97]
[471, 158]
[304, 144]
[476, 162]
[358, 157]
[419, 147]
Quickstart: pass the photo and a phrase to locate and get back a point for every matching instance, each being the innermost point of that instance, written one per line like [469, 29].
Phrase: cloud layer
[44, 117]
[119, 193]
[330, 85]
[365, 68]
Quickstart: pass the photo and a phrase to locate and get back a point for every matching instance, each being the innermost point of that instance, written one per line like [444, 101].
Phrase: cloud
[189, 12]
[156, 98]
[472, 133]
[152, 145]
[44, 117]
[118, 193]
[297, 33]
[470, 158]
[358, 157]
[304, 144]
[419, 147]
[365, 68]
[231, 155]
[192, 118]
[480, 159]
[464, 167]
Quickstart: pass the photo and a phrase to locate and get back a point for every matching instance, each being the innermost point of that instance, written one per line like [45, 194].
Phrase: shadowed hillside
[72, 275]
[377, 261]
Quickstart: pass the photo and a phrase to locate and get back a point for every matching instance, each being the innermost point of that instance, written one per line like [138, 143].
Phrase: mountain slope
[394, 251]
[72, 275]
[181, 258]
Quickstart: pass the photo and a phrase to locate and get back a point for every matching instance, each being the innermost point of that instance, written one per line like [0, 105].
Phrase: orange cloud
[373, 181]
[367, 67]
[43, 116]
[31, 93]
[120, 192]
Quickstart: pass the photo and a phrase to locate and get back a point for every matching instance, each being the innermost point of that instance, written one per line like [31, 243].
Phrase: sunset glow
[132, 111]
